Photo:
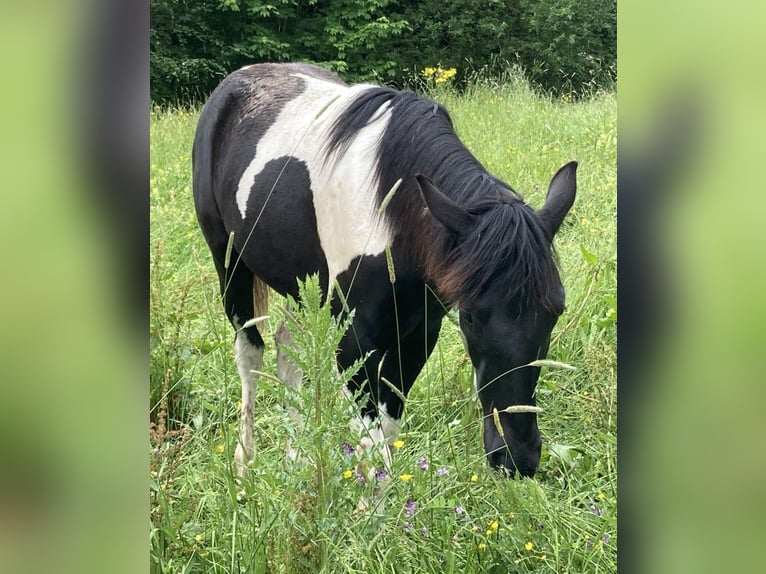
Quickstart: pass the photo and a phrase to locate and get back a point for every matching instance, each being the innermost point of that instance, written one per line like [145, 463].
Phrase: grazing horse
[297, 173]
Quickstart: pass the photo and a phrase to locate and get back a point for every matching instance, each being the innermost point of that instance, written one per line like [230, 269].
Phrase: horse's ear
[561, 196]
[444, 210]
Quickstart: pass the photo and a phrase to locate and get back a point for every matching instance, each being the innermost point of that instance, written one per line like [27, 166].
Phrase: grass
[456, 515]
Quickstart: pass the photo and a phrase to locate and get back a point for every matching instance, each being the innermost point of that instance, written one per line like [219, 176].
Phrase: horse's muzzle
[525, 463]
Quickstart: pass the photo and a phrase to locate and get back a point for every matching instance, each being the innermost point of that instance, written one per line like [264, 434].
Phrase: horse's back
[263, 167]
[241, 108]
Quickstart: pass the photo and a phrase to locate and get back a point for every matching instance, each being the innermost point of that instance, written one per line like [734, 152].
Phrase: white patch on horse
[344, 188]
[249, 358]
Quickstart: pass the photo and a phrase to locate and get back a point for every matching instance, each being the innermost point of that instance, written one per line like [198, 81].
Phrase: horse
[297, 173]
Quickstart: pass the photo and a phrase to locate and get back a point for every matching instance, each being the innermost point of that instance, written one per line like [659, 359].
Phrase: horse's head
[508, 326]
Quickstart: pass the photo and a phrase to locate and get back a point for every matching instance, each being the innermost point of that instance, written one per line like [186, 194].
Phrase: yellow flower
[239, 405]
[398, 443]
[347, 474]
[219, 448]
[405, 477]
[493, 525]
[198, 537]
[601, 496]
[474, 478]
[512, 515]
[529, 546]
[542, 557]
[482, 546]
[474, 528]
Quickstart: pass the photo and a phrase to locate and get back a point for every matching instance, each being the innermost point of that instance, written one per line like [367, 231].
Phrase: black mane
[509, 244]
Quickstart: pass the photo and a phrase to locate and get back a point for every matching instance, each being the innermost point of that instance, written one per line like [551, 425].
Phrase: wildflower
[381, 474]
[398, 443]
[410, 508]
[198, 537]
[347, 449]
[529, 546]
[347, 474]
[493, 525]
[601, 496]
[459, 510]
[219, 448]
[595, 510]
[482, 546]
[405, 477]
[543, 557]
[474, 478]
[423, 463]
[359, 477]
[442, 471]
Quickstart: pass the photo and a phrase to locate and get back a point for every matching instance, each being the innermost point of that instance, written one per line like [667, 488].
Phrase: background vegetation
[446, 511]
[562, 46]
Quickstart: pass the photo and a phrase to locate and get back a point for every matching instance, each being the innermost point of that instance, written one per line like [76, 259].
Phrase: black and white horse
[311, 175]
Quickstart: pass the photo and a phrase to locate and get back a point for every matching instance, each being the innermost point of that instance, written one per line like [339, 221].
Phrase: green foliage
[570, 44]
[300, 518]
[562, 45]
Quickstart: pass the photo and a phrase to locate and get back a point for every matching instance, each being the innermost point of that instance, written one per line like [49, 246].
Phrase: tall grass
[445, 510]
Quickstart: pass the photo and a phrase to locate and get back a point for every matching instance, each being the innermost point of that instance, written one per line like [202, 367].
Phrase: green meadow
[445, 509]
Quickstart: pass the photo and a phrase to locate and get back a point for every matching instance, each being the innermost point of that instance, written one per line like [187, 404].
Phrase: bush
[564, 46]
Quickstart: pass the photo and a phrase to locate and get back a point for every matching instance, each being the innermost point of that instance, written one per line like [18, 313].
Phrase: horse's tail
[260, 298]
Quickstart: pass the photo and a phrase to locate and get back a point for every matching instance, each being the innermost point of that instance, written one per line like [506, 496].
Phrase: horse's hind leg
[291, 376]
[244, 298]
[252, 297]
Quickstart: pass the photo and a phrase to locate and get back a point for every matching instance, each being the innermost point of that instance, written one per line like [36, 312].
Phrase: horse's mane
[508, 245]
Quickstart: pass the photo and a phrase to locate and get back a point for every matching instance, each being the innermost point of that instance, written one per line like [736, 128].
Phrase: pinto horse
[298, 173]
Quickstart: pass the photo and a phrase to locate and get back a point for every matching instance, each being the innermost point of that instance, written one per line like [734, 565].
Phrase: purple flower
[442, 471]
[459, 510]
[380, 475]
[410, 508]
[423, 463]
[347, 448]
[359, 477]
[595, 509]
